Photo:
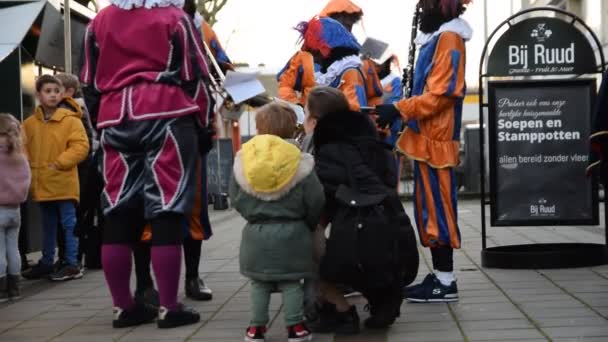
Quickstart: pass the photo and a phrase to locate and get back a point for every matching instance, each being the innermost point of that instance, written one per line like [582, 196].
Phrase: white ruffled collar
[456, 25]
[132, 4]
[336, 68]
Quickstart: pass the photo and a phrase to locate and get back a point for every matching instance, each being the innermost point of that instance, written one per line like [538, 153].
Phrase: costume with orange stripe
[214, 45]
[197, 225]
[297, 78]
[373, 86]
[324, 36]
[374, 89]
[432, 136]
[352, 84]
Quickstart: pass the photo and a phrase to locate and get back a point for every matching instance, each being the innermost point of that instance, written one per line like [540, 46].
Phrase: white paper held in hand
[242, 86]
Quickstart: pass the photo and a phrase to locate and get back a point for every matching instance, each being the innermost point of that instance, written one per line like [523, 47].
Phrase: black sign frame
[493, 147]
[485, 75]
[520, 37]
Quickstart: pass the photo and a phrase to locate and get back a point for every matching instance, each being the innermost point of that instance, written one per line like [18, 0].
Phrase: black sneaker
[149, 296]
[298, 333]
[197, 290]
[138, 315]
[430, 278]
[58, 265]
[431, 290]
[255, 334]
[38, 271]
[67, 272]
[176, 318]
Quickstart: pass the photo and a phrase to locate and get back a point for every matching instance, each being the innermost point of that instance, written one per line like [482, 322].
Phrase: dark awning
[16, 22]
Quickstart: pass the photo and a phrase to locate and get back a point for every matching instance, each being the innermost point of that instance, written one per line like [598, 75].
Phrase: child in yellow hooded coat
[274, 187]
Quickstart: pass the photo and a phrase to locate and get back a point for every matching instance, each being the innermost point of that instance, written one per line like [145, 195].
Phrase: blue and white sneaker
[431, 290]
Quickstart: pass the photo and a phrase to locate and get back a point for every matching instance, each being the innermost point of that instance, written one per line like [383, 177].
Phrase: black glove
[205, 139]
[387, 114]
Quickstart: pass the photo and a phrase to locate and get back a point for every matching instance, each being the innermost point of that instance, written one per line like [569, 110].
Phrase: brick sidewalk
[496, 305]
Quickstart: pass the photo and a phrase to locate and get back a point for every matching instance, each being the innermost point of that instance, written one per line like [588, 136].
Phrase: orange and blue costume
[393, 92]
[323, 35]
[216, 47]
[432, 136]
[374, 89]
[372, 81]
[297, 78]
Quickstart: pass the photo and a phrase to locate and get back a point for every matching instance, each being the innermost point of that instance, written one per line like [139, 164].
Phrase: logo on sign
[542, 208]
[541, 33]
[539, 57]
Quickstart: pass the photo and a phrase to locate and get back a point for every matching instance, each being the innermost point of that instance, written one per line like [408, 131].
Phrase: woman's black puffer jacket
[347, 147]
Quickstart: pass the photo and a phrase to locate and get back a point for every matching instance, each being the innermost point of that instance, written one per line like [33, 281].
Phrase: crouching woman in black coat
[350, 155]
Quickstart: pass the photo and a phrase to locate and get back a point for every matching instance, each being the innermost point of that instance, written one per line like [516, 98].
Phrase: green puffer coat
[282, 208]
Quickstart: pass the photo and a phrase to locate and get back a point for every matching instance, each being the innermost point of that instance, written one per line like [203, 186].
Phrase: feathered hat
[340, 6]
[326, 34]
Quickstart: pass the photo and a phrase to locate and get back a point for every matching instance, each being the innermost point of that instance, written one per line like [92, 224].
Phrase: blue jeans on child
[51, 213]
[10, 260]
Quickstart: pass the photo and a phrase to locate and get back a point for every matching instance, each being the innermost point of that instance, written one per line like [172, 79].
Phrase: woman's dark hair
[326, 100]
[437, 12]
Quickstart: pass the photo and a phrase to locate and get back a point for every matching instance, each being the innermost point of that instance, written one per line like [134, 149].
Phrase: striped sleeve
[352, 86]
[444, 84]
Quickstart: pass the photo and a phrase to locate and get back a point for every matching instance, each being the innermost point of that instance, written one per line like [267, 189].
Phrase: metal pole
[21, 114]
[67, 36]
[485, 20]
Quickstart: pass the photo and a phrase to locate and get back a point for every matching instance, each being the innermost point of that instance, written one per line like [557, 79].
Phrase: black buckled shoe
[139, 314]
[182, 315]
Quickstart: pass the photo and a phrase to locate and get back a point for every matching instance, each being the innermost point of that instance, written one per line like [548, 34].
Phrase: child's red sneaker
[298, 333]
[255, 334]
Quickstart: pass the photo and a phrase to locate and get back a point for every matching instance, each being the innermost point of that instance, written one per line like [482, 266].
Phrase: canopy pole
[67, 37]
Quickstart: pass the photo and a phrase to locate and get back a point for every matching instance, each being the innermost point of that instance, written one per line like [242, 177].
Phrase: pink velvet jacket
[144, 64]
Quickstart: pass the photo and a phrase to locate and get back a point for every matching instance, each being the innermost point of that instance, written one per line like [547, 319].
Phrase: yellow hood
[67, 107]
[269, 163]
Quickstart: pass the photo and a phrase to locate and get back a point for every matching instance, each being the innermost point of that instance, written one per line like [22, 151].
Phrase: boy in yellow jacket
[56, 142]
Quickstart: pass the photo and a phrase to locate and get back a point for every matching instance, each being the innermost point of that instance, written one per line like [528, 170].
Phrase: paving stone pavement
[495, 305]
